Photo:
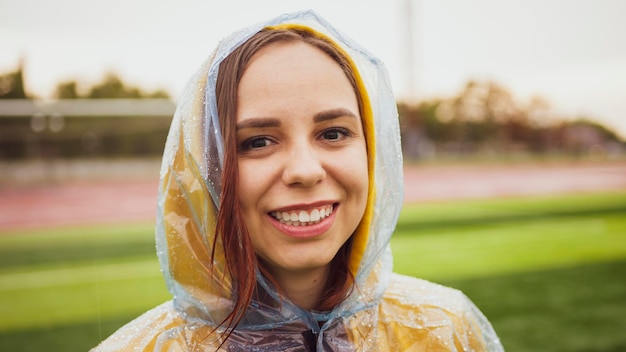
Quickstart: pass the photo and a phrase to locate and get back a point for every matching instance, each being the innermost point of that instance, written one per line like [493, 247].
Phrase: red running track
[116, 201]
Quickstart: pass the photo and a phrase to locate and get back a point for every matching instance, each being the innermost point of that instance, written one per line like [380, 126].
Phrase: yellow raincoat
[386, 311]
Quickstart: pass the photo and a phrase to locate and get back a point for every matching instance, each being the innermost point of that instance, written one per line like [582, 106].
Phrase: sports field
[548, 270]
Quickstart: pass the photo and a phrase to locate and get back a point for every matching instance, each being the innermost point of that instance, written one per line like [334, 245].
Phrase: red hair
[241, 259]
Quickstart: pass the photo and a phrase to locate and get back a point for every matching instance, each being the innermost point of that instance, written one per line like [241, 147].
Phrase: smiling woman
[280, 188]
[311, 158]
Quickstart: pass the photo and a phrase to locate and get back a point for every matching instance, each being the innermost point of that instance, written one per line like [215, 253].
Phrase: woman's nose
[303, 166]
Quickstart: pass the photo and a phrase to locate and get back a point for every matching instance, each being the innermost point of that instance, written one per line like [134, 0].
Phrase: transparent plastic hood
[191, 180]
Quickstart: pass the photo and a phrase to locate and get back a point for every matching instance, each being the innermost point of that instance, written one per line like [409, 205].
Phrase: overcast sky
[571, 52]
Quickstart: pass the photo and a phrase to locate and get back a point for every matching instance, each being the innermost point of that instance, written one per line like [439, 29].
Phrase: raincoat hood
[202, 290]
[191, 182]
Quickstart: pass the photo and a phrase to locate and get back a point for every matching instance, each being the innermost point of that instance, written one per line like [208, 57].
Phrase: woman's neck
[304, 288]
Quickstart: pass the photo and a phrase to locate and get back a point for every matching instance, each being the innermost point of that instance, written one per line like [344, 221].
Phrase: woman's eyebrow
[332, 114]
[262, 122]
[266, 122]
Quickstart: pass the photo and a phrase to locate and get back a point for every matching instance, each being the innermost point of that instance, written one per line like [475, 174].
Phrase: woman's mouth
[303, 217]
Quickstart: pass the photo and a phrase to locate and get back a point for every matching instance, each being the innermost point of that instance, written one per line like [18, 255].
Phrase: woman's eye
[256, 143]
[334, 134]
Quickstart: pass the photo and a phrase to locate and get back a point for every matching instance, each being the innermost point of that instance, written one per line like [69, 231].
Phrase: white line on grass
[79, 274]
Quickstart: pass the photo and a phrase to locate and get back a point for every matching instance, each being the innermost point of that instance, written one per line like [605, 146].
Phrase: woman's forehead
[285, 74]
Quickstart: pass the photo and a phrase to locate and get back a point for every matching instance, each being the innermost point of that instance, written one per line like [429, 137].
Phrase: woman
[280, 188]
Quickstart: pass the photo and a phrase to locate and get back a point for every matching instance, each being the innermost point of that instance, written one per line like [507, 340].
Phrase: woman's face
[303, 175]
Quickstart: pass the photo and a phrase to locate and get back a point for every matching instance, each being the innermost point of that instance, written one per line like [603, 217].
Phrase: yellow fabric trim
[361, 234]
[187, 221]
[189, 215]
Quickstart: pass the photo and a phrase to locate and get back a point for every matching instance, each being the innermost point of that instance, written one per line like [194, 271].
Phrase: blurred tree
[158, 94]
[12, 84]
[66, 90]
[485, 118]
[112, 87]
[602, 130]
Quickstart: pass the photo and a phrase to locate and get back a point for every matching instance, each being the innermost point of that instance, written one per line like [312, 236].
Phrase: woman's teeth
[302, 217]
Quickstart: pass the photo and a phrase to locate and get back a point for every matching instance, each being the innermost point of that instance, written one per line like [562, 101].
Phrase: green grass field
[549, 272]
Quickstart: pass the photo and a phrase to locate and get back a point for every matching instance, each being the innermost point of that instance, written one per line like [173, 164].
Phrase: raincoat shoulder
[418, 315]
[142, 333]
[162, 328]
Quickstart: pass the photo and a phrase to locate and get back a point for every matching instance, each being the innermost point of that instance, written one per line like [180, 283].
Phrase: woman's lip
[306, 206]
[307, 231]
